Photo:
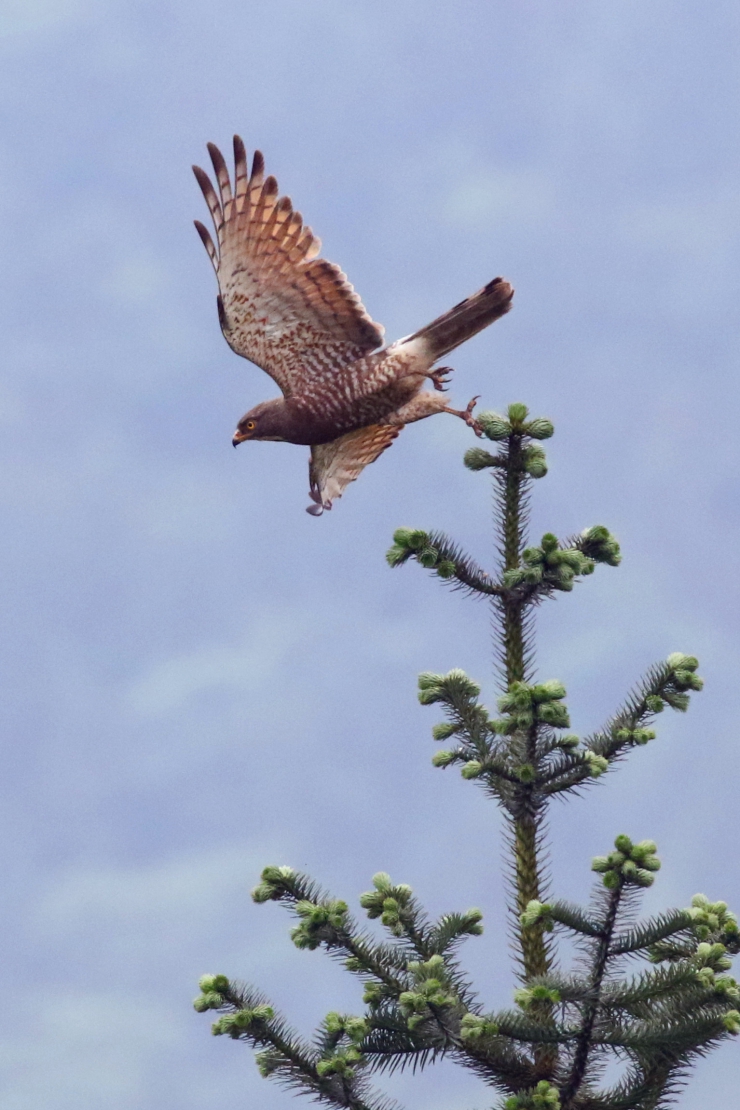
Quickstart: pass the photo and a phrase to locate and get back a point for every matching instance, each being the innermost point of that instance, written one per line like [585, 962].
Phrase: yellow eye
[251, 425]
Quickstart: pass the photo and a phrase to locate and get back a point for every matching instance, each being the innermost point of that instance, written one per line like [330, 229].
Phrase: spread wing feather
[291, 313]
[334, 465]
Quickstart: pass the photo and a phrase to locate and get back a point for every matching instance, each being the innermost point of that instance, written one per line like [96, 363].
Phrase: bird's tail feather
[467, 318]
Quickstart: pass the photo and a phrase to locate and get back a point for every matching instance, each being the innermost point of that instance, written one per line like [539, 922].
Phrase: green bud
[599, 544]
[493, 426]
[428, 680]
[526, 996]
[402, 536]
[444, 758]
[679, 701]
[444, 731]
[688, 680]
[213, 983]
[518, 696]
[396, 555]
[334, 1022]
[552, 690]
[428, 557]
[478, 459]
[275, 881]
[597, 764]
[554, 714]
[611, 879]
[417, 539]
[731, 1022]
[655, 703]
[430, 688]
[623, 844]
[727, 986]
[446, 569]
[356, 1028]
[267, 1062]
[533, 555]
[304, 908]
[410, 1002]
[569, 741]
[474, 1028]
[473, 920]
[534, 462]
[472, 769]
[534, 913]
[373, 994]
[517, 414]
[525, 772]
[540, 428]
[224, 1025]
[678, 661]
[457, 682]
[521, 575]
[600, 864]
[642, 735]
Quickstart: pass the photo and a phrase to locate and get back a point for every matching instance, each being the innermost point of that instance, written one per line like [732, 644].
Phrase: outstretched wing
[280, 306]
[334, 465]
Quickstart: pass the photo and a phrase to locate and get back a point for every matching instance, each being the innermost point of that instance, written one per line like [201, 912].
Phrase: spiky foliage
[548, 1051]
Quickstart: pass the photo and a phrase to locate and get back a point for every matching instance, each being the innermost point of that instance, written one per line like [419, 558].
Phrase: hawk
[298, 318]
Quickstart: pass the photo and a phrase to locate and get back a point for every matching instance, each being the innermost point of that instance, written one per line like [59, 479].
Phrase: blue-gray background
[197, 677]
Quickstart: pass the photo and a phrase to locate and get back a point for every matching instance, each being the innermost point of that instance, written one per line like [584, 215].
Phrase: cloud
[700, 228]
[83, 1048]
[242, 666]
[511, 196]
[149, 909]
[19, 17]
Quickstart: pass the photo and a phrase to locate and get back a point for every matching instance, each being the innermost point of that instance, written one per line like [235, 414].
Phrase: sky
[198, 678]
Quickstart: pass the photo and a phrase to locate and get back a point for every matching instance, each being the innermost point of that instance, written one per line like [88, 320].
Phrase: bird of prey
[298, 318]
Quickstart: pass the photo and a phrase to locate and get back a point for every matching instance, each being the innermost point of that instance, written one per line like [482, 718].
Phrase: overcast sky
[197, 677]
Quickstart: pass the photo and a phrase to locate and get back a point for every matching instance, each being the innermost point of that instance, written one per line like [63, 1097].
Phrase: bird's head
[264, 421]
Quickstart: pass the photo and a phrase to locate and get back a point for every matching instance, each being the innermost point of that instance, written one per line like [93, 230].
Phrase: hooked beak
[238, 438]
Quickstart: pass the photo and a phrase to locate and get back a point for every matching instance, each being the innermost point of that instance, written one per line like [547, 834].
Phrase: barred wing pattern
[293, 314]
[334, 465]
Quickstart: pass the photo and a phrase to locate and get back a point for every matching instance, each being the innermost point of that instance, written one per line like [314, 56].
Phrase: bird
[297, 317]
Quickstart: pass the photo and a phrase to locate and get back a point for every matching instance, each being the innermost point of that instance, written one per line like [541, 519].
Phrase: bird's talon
[441, 377]
[470, 419]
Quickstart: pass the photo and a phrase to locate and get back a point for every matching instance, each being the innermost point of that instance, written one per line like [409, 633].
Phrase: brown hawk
[299, 319]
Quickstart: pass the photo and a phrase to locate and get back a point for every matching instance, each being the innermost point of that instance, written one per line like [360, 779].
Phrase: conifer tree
[652, 994]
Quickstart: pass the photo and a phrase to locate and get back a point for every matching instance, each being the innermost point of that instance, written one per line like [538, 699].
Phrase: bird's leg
[440, 377]
[319, 506]
[467, 415]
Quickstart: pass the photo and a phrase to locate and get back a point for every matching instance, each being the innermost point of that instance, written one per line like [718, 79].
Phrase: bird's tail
[467, 318]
